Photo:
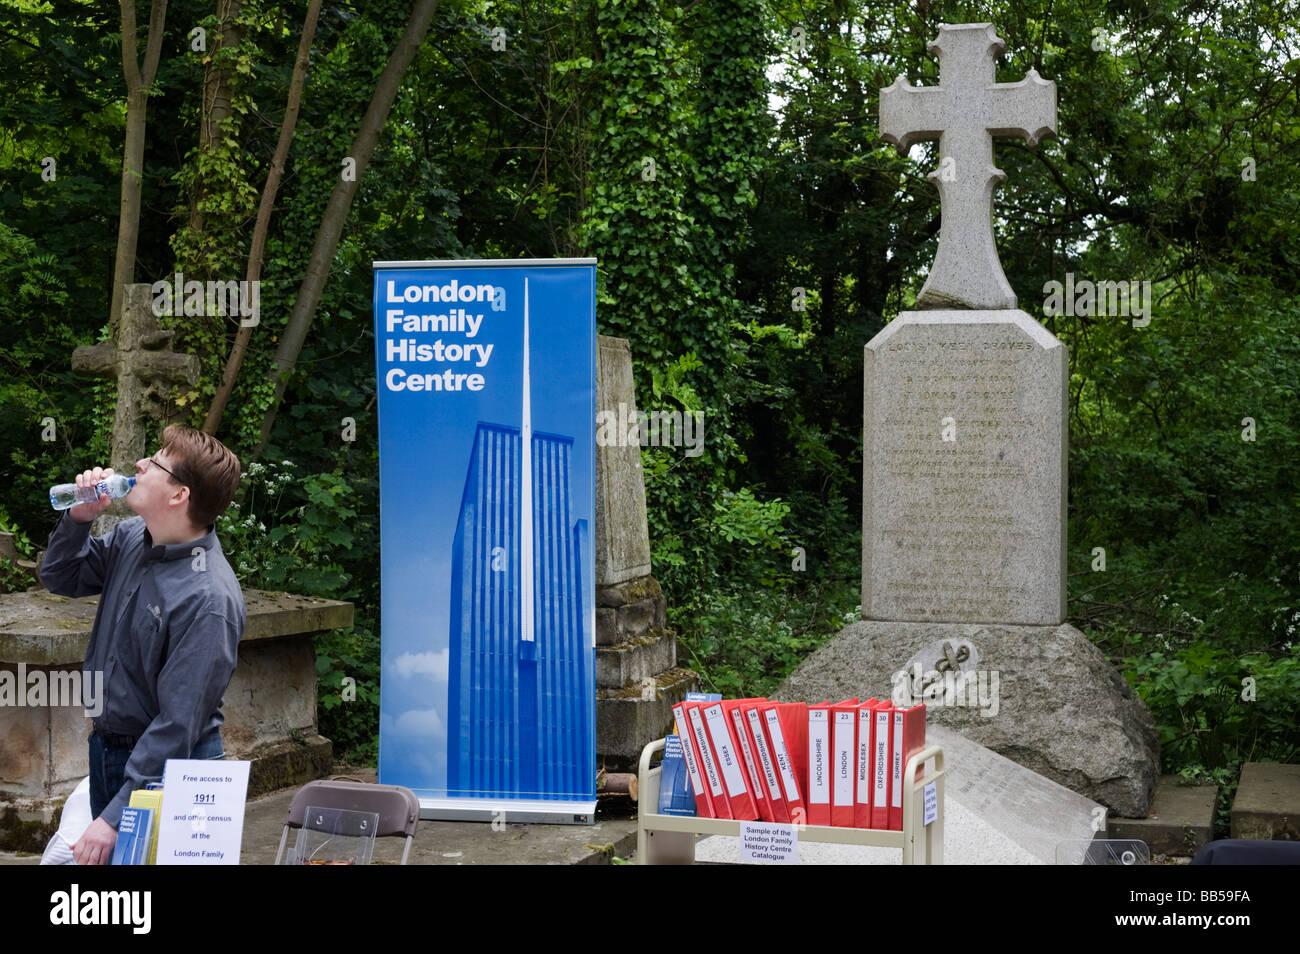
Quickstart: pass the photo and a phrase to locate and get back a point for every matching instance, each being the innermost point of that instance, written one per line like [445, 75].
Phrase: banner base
[517, 810]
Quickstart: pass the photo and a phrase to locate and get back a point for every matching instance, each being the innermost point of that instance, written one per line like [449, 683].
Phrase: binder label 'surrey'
[486, 374]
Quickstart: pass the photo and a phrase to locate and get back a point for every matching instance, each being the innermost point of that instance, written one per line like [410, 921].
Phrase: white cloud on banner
[422, 664]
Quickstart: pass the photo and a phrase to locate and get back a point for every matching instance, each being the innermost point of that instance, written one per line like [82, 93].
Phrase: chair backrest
[398, 808]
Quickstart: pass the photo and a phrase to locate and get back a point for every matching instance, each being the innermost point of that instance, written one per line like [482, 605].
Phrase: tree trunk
[216, 107]
[263, 223]
[336, 211]
[138, 82]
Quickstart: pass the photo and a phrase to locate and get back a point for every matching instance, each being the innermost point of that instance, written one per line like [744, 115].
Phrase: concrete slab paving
[1181, 819]
[445, 843]
[1268, 802]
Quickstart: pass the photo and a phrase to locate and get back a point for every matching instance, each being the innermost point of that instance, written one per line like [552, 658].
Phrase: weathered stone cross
[145, 369]
[964, 112]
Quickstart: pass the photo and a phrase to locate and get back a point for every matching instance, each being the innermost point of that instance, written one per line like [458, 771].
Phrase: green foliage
[347, 666]
[745, 637]
[1216, 710]
[311, 547]
[776, 235]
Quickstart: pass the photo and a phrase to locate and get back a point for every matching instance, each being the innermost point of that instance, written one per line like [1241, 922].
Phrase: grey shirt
[166, 637]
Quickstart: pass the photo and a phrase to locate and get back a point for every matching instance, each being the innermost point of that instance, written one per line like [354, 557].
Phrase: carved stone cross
[964, 112]
[145, 369]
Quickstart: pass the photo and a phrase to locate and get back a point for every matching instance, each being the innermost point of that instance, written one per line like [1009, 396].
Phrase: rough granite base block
[627, 719]
[629, 610]
[1042, 696]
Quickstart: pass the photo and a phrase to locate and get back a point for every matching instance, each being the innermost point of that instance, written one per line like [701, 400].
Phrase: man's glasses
[154, 463]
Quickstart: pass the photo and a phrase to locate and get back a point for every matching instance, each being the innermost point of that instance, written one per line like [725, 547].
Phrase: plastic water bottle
[63, 496]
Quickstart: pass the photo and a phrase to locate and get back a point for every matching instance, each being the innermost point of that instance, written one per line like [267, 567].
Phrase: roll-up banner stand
[487, 387]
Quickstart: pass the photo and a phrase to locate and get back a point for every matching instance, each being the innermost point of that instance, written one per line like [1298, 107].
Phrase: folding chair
[398, 808]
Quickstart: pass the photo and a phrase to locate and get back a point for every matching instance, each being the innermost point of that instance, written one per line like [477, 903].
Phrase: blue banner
[486, 376]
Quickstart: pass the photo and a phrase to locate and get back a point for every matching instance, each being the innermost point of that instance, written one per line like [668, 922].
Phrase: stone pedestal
[637, 682]
[637, 679]
[269, 706]
[1181, 821]
[963, 557]
[964, 476]
[1268, 802]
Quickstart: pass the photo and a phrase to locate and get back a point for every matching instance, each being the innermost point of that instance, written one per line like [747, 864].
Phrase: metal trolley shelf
[670, 839]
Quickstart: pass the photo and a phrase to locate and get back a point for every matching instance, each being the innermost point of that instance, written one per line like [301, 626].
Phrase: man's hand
[85, 513]
[95, 846]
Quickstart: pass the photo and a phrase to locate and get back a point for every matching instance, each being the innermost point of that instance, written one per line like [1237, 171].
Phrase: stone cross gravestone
[139, 358]
[965, 415]
[964, 480]
[964, 112]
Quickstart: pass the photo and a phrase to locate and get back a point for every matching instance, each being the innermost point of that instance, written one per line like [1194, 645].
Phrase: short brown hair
[206, 466]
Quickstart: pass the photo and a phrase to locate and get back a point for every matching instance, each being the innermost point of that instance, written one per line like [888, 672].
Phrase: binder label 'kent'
[782, 755]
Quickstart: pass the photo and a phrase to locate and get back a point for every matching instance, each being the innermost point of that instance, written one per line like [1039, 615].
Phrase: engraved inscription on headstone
[964, 467]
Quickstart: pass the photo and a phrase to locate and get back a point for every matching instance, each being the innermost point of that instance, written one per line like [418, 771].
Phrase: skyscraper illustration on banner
[520, 644]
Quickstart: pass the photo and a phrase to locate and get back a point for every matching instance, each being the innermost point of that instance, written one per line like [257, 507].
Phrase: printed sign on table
[202, 812]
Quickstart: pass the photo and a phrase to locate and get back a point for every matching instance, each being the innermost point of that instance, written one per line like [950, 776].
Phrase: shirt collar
[177, 551]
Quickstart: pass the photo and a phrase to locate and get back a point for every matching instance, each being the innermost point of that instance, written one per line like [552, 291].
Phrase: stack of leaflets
[134, 835]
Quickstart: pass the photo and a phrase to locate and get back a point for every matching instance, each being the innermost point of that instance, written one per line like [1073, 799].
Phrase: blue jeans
[108, 766]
